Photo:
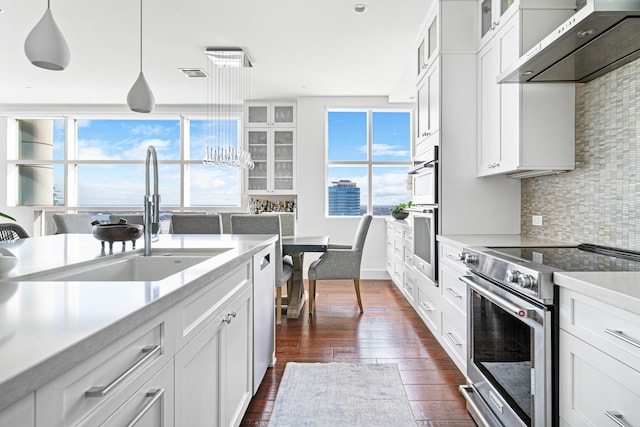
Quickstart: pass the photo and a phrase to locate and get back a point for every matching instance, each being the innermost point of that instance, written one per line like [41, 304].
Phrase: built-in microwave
[425, 247]
[424, 188]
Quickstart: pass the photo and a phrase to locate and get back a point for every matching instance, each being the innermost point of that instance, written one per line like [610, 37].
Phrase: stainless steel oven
[425, 248]
[424, 188]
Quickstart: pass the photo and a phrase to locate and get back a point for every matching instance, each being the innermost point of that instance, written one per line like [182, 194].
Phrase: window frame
[70, 161]
[369, 163]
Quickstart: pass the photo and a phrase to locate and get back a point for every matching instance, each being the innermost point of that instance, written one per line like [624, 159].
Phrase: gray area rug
[341, 394]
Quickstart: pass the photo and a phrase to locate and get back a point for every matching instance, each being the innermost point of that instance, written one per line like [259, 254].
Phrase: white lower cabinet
[213, 372]
[599, 363]
[428, 304]
[150, 405]
[20, 414]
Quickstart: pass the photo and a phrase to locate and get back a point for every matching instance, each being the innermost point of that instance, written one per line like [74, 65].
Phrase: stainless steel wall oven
[424, 187]
[425, 247]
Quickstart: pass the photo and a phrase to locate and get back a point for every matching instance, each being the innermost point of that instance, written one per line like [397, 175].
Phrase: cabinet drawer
[593, 384]
[453, 290]
[451, 255]
[100, 379]
[200, 308]
[409, 286]
[611, 329]
[454, 338]
[150, 404]
[428, 305]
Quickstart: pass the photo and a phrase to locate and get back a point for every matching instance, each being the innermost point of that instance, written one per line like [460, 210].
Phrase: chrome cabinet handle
[155, 395]
[621, 335]
[454, 293]
[98, 391]
[617, 418]
[453, 339]
[521, 312]
[455, 258]
[426, 306]
[230, 317]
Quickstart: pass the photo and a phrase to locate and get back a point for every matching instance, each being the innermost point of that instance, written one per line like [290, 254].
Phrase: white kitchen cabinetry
[492, 13]
[428, 44]
[273, 151]
[428, 108]
[428, 304]
[523, 127]
[262, 114]
[264, 327]
[599, 362]
[399, 249]
[20, 414]
[213, 372]
[108, 379]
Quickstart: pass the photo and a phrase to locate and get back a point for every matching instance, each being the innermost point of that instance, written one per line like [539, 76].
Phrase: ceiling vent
[193, 73]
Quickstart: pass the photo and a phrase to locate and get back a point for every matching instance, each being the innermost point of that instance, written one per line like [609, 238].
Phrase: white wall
[312, 182]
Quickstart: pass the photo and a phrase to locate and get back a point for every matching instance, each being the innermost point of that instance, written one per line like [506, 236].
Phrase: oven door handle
[498, 300]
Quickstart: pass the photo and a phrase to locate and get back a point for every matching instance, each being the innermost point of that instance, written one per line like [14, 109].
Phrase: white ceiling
[298, 48]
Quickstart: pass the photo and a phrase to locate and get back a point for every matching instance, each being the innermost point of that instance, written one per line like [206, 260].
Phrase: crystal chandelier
[228, 87]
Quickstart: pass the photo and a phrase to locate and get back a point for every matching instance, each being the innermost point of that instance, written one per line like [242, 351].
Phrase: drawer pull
[617, 418]
[426, 306]
[454, 293]
[621, 335]
[453, 339]
[230, 317]
[98, 391]
[454, 258]
[155, 395]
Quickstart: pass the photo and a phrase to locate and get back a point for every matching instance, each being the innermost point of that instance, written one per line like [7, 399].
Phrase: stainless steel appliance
[425, 178]
[513, 328]
[425, 247]
[599, 37]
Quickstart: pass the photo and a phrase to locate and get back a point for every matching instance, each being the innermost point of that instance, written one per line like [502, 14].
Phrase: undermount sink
[134, 267]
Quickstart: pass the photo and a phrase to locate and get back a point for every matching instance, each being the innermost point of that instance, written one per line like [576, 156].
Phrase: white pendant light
[45, 45]
[140, 98]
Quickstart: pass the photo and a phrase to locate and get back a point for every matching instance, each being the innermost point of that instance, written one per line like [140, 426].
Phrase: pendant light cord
[140, 35]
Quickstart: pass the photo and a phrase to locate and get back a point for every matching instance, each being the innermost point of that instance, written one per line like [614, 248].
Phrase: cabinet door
[489, 109]
[257, 144]
[237, 363]
[283, 160]
[198, 379]
[493, 14]
[257, 115]
[429, 102]
[283, 114]
[428, 46]
[270, 114]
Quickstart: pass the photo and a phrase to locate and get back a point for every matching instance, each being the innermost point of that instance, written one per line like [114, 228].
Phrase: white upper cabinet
[492, 14]
[522, 127]
[261, 114]
[428, 44]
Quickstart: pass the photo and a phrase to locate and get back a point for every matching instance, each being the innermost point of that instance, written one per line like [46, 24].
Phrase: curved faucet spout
[151, 201]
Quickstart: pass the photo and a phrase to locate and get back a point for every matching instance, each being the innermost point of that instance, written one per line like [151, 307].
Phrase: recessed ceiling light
[193, 72]
[360, 8]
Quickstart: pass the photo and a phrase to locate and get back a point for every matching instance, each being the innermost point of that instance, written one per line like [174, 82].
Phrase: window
[98, 164]
[368, 156]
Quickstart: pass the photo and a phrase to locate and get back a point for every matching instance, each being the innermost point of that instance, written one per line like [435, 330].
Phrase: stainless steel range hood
[600, 37]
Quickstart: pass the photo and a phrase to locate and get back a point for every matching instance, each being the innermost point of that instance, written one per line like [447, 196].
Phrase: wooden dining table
[296, 246]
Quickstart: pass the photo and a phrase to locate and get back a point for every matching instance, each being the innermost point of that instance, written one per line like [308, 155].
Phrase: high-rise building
[344, 198]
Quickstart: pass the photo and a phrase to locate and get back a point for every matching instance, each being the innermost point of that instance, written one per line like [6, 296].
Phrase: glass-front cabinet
[273, 153]
[260, 114]
[428, 44]
[492, 14]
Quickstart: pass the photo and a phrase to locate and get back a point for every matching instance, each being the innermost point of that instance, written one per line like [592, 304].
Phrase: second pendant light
[140, 98]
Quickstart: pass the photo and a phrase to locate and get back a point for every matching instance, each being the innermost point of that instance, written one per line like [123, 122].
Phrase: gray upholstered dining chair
[195, 224]
[267, 224]
[11, 231]
[73, 223]
[340, 262]
[137, 219]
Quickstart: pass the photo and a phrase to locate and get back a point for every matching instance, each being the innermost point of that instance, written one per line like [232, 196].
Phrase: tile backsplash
[596, 202]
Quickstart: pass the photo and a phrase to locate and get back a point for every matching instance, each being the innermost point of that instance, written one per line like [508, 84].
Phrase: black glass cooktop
[585, 257]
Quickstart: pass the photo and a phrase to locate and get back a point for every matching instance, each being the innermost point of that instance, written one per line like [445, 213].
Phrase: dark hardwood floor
[389, 331]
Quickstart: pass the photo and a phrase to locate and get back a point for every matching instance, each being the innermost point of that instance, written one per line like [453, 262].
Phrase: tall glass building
[344, 198]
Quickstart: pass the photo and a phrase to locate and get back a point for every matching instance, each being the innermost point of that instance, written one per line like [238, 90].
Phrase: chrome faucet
[151, 201]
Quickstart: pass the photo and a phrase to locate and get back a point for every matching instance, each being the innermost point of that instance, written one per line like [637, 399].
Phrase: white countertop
[618, 288]
[46, 326]
[500, 240]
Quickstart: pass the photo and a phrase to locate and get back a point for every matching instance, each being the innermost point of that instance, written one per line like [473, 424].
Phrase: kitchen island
[49, 327]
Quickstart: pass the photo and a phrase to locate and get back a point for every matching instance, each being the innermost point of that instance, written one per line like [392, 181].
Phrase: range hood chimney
[600, 37]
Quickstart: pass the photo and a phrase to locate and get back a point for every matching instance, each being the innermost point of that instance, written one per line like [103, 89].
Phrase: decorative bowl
[8, 261]
[117, 232]
[400, 215]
